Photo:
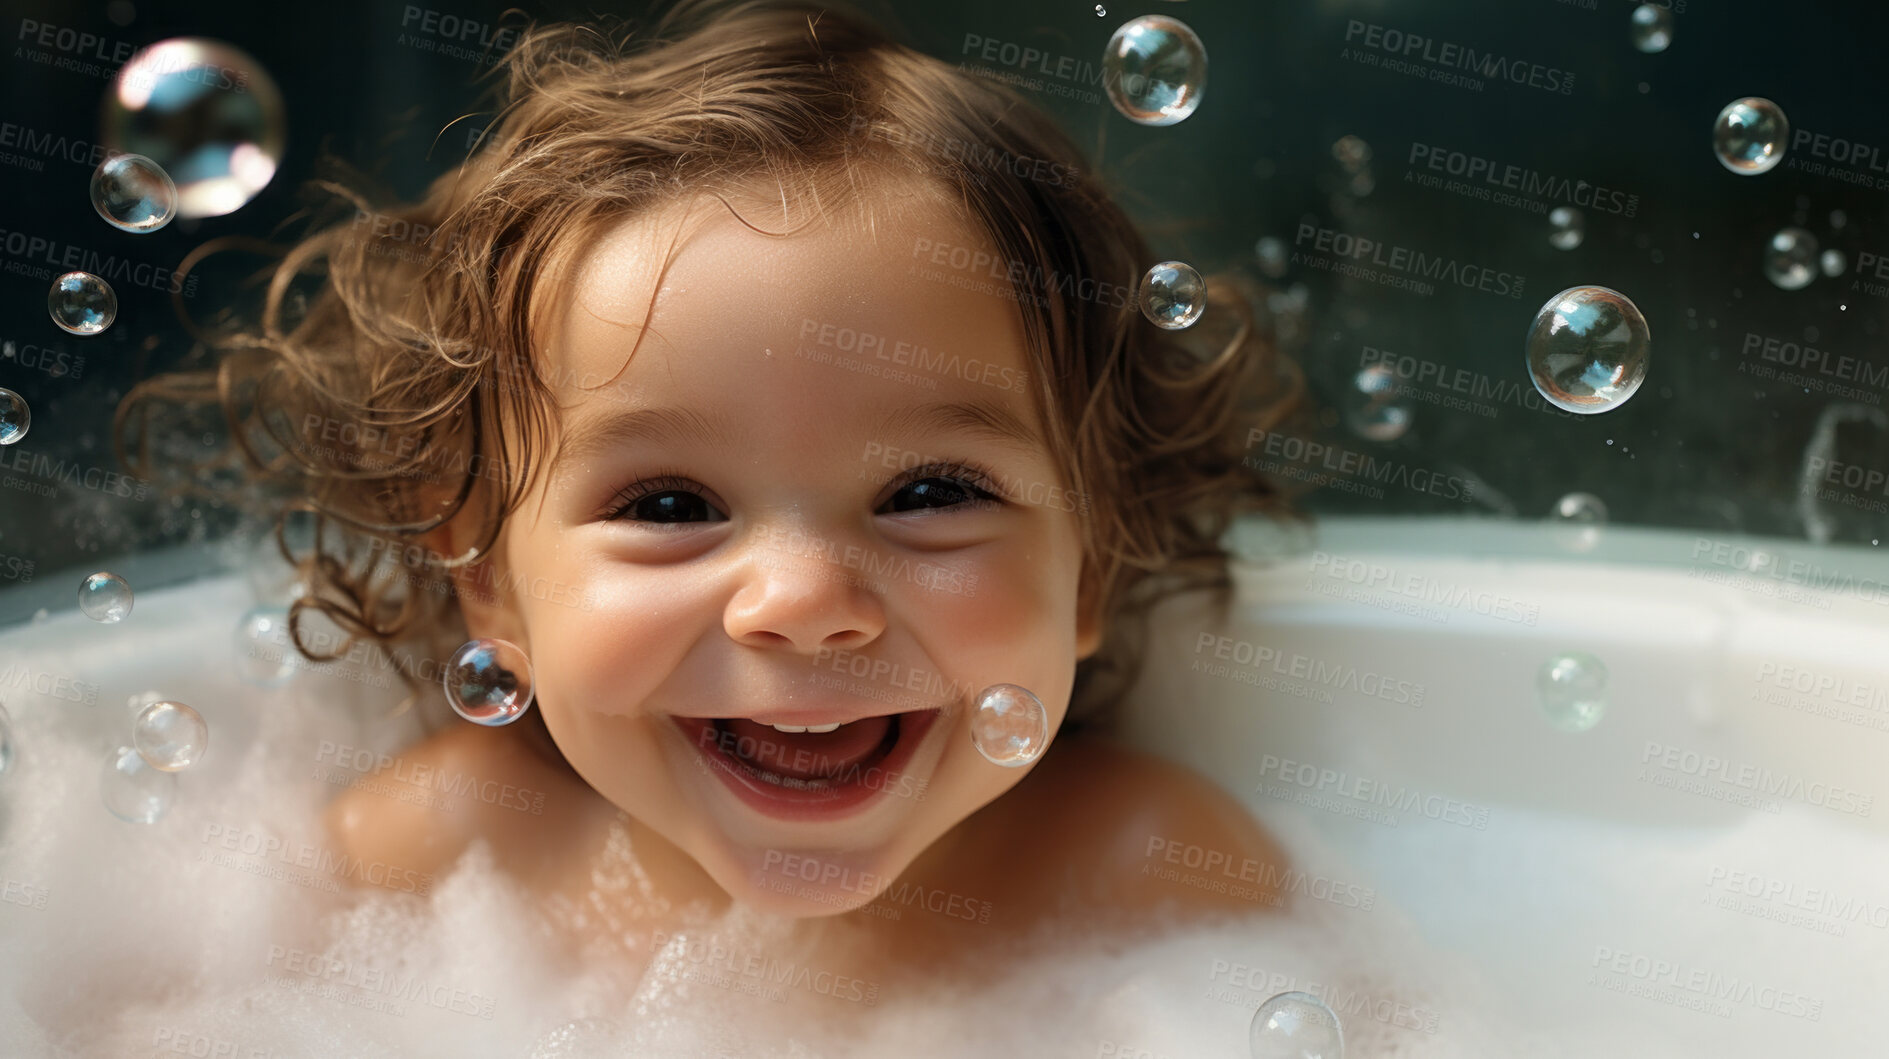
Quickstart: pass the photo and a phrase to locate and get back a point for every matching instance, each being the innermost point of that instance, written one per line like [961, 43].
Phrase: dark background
[1701, 446]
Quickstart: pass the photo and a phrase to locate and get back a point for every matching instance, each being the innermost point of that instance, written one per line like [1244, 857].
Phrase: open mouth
[812, 771]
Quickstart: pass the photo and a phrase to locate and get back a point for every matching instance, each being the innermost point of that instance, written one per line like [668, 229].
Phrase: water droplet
[1173, 295]
[1578, 519]
[1588, 349]
[1790, 259]
[170, 736]
[1750, 136]
[489, 682]
[1155, 69]
[133, 193]
[1009, 727]
[6, 742]
[1566, 227]
[207, 113]
[1652, 28]
[81, 303]
[1832, 263]
[1100, 11]
[1573, 689]
[1273, 256]
[1296, 1026]
[265, 656]
[134, 791]
[15, 417]
[105, 597]
[1373, 407]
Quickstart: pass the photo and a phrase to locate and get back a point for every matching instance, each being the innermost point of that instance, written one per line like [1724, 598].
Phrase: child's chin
[805, 884]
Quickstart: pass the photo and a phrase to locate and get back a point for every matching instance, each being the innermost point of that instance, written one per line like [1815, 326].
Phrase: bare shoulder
[457, 785]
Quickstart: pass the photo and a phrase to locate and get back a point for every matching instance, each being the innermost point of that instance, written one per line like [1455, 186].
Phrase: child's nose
[805, 603]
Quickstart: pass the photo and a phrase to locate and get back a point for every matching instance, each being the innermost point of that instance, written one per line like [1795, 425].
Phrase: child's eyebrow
[655, 426]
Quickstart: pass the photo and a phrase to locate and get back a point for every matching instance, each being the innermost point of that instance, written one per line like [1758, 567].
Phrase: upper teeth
[806, 727]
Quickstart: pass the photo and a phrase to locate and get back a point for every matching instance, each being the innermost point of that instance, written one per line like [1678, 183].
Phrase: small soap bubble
[1173, 295]
[265, 656]
[489, 682]
[206, 113]
[1588, 349]
[81, 303]
[1155, 69]
[1579, 519]
[15, 417]
[1009, 727]
[1832, 263]
[6, 742]
[1374, 407]
[1790, 259]
[1573, 689]
[170, 736]
[105, 597]
[1273, 255]
[1100, 11]
[134, 791]
[1566, 227]
[1750, 136]
[1652, 28]
[133, 193]
[1296, 1025]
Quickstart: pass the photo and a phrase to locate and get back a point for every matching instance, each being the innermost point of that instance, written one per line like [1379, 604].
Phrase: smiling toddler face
[810, 489]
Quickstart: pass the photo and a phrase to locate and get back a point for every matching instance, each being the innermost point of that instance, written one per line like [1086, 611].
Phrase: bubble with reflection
[105, 598]
[1588, 349]
[1750, 136]
[1579, 519]
[1173, 295]
[1374, 407]
[1009, 725]
[15, 417]
[133, 193]
[170, 736]
[489, 682]
[1566, 227]
[134, 791]
[1573, 691]
[205, 112]
[1100, 11]
[1155, 69]
[1652, 28]
[1295, 1025]
[81, 303]
[1790, 259]
[264, 654]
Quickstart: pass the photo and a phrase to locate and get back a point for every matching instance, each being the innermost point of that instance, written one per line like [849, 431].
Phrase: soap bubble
[134, 791]
[1579, 518]
[133, 193]
[170, 736]
[1790, 259]
[1750, 136]
[1296, 1025]
[1588, 349]
[81, 303]
[6, 741]
[1009, 727]
[1832, 263]
[1652, 28]
[15, 417]
[265, 656]
[1273, 255]
[1373, 407]
[1100, 11]
[1155, 69]
[1173, 295]
[1573, 689]
[489, 682]
[206, 113]
[1566, 227]
[105, 597]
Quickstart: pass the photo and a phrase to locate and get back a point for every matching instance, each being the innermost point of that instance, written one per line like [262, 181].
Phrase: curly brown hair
[418, 326]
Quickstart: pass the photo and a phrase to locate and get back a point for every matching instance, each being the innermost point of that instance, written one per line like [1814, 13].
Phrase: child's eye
[665, 500]
[672, 500]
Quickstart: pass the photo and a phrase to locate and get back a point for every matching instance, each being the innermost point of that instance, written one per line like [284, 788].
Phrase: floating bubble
[105, 597]
[1579, 518]
[206, 113]
[1173, 295]
[1652, 28]
[1352, 153]
[1832, 263]
[15, 417]
[1573, 690]
[1566, 227]
[1100, 11]
[1750, 136]
[170, 736]
[489, 682]
[1155, 69]
[1009, 727]
[1374, 407]
[1588, 349]
[134, 791]
[133, 193]
[81, 303]
[6, 742]
[265, 656]
[1273, 255]
[1296, 1025]
[1790, 259]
